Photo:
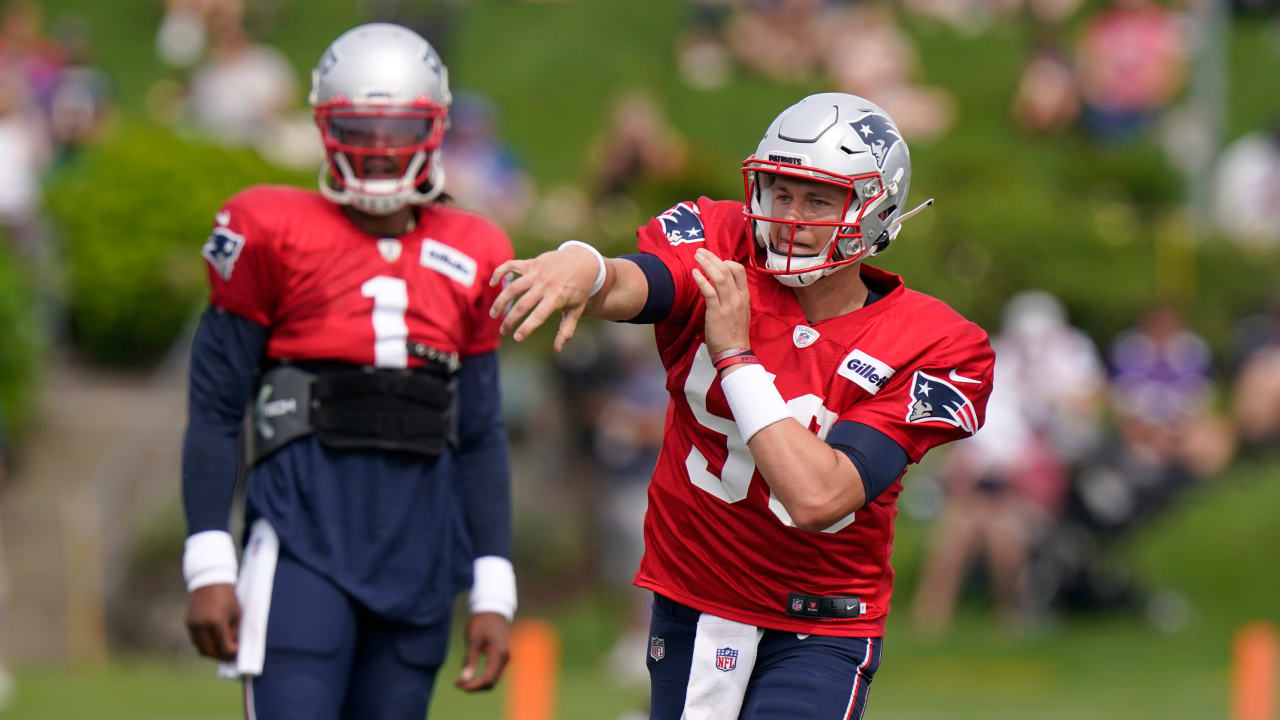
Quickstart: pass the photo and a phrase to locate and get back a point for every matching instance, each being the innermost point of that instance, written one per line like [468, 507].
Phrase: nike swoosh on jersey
[957, 377]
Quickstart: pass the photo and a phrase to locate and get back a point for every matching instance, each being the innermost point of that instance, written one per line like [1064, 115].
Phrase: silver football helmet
[842, 140]
[381, 99]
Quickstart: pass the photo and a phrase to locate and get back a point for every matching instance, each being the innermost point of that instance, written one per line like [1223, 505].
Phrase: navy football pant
[330, 659]
[795, 677]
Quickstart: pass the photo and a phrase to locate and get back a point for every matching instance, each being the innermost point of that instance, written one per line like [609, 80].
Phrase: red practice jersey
[715, 538]
[290, 260]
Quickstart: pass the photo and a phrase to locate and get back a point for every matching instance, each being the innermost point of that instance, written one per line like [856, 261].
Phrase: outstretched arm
[563, 280]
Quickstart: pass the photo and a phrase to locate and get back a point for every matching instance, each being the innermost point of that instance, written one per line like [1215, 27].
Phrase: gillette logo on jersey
[936, 400]
[683, 224]
[865, 371]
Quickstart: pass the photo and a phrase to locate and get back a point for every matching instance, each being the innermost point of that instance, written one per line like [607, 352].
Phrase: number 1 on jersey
[390, 331]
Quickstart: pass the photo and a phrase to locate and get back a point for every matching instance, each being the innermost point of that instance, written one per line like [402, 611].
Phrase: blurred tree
[133, 214]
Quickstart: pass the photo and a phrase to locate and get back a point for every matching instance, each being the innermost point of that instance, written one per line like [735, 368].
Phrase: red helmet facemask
[845, 244]
[380, 143]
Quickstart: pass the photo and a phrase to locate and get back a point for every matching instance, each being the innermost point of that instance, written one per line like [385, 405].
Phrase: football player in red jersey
[802, 384]
[354, 322]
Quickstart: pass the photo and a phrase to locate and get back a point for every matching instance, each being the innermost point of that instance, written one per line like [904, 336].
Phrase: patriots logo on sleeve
[879, 135]
[222, 249]
[683, 224]
[936, 400]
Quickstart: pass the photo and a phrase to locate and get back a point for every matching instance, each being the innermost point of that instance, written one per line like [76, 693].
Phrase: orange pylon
[1255, 667]
[532, 675]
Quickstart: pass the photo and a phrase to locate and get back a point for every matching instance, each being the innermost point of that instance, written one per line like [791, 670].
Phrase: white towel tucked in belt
[724, 654]
[253, 589]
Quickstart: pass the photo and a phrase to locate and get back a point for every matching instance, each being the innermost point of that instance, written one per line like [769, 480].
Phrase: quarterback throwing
[802, 384]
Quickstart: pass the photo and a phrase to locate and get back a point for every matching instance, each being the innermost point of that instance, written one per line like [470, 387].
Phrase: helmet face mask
[839, 231]
[381, 99]
[839, 140]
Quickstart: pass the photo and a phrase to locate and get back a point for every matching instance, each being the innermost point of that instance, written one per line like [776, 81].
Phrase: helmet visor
[380, 143]
[383, 132]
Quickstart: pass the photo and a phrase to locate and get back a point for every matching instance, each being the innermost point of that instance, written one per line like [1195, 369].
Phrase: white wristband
[599, 283]
[494, 586]
[209, 558]
[753, 399]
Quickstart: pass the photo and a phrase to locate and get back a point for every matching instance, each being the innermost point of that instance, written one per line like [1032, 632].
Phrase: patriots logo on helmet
[222, 249]
[878, 132]
[936, 400]
[683, 224]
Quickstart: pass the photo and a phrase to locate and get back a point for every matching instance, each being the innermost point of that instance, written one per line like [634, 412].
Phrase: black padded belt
[353, 407]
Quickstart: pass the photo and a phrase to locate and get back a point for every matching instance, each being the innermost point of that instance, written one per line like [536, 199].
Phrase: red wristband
[737, 360]
[715, 359]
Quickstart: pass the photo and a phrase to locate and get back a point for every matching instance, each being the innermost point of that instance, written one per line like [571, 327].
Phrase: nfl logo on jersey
[726, 659]
[657, 648]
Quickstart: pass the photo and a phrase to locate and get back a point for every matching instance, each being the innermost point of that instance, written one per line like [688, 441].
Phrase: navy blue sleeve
[662, 288]
[483, 466]
[225, 360]
[878, 458]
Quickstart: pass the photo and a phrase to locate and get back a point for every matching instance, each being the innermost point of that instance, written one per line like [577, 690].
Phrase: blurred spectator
[701, 54]
[1048, 98]
[991, 481]
[182, 35]
[627, 421]
[626, 413]
[1161, 388]
[974, 16]
[866, 54]
[24, 156]
[776, 38]
[483, 174]
[24, 48]
[184, 31]
[82, 97]
[1247, 189]
[1053, 12]
[1256, 394]
[968, 16]
[241, 93]
[1006, 485]
[1055, 370]
[1132, 60]
[638, 146]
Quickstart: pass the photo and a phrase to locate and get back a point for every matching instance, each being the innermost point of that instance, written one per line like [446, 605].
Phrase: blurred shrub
[134, 213]
[19, 342]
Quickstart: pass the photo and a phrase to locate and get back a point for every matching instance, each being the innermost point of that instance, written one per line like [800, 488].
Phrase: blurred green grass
[1216, 547]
